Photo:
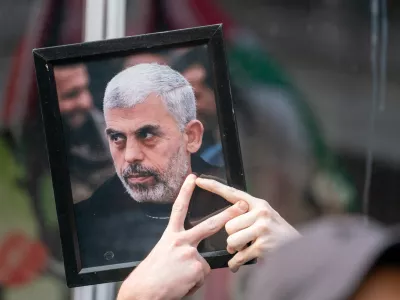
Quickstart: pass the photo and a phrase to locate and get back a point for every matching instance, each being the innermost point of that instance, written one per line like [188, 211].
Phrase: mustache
[139, 170]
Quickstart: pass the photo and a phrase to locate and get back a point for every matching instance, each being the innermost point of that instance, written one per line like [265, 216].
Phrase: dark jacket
[114, 228]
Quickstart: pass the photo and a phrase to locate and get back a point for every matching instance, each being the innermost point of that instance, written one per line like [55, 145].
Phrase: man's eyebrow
[149, 127]
[72, 93]
[110, 131]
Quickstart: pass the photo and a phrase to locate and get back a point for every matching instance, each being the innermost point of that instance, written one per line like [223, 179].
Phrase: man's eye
[72, 94]
[146, 135]
[116, 138]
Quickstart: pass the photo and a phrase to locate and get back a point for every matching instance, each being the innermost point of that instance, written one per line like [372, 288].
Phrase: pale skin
[148, 134]
[261, 226]
[174, 268]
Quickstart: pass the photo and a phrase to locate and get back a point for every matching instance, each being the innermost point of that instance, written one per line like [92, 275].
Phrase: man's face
[151, 155]
[205, 99]
[74, 97]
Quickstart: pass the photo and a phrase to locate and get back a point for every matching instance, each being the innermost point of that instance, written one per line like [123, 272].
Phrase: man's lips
[135, 179]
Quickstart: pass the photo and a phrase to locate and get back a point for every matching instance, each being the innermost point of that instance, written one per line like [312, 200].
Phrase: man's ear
[194, 133]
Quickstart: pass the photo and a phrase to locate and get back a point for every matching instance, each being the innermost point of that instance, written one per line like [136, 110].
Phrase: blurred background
[315, 85]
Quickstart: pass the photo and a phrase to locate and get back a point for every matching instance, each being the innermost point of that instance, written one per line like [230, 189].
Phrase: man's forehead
[64, 72]
[151, 111]
[68, 77]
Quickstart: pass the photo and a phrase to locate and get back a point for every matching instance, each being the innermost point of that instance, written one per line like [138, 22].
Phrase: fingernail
[243, 205]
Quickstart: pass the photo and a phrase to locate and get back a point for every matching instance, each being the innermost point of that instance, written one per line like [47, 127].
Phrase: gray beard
[168, 185]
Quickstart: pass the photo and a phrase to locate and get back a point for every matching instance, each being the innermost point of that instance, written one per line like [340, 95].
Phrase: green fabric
[15, 211]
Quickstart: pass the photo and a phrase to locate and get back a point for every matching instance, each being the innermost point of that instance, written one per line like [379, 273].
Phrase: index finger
[181, 204]
[228, 193]
[215, 223]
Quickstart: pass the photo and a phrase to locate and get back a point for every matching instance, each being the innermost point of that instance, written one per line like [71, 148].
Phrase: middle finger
[239, 240]
[241, 222]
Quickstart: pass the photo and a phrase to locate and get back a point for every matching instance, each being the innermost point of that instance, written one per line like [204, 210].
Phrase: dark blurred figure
[89, 159]
[337, 259]
[194, 65]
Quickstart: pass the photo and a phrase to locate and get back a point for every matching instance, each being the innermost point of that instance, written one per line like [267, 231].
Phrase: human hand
[261, 225]
[174, 268]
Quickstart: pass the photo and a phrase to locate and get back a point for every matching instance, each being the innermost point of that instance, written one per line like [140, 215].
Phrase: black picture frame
[46, 58]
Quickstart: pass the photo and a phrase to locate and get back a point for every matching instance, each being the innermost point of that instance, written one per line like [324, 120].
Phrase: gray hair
[133, 85]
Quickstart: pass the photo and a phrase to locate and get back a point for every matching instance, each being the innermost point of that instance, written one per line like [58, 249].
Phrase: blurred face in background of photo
[205, 98]
[75, 99]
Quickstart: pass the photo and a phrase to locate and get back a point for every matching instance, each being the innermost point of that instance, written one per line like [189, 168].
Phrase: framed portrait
[126, 120]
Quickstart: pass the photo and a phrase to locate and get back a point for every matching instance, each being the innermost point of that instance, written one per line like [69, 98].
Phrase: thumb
[181, 204]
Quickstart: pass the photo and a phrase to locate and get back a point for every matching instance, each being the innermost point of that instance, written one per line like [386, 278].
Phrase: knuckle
[240, 260]
[197, 267]
[235, 210]
[178, 241]
[231, 190]
[189, 253]
[207, 270]
[230, 249]
[262, 228]
[260, 247]
[263, 212]
[260, 251]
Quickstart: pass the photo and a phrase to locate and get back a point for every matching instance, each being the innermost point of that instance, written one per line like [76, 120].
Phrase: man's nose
[85, 101]
[133, 151]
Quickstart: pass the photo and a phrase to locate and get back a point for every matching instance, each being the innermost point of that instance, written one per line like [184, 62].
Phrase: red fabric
[11, 85]
[209, 13]
[21, 260]
[22, 65]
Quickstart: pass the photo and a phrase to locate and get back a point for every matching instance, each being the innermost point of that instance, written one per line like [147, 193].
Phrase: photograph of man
[89, 159]
[154, 137]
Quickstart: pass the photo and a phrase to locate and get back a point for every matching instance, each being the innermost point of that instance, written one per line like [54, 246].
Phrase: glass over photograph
[135, 127]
